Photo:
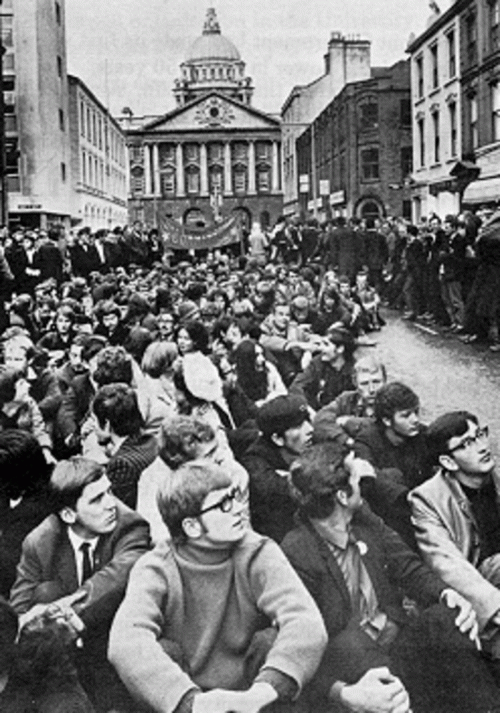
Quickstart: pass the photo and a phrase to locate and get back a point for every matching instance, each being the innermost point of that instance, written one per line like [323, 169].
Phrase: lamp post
[314, 180]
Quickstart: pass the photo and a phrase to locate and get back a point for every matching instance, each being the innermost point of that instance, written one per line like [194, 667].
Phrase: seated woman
[258, 378]
[20, 411]
[58, 341]
[198, 391]
[157, 366]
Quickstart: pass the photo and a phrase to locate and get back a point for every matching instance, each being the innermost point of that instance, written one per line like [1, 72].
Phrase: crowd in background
[124, 362]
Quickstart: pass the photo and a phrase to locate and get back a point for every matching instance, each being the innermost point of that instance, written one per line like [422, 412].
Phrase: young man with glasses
[456, 515]
[215, 621]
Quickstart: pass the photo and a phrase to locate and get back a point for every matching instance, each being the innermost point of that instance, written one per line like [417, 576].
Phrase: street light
[307, 125]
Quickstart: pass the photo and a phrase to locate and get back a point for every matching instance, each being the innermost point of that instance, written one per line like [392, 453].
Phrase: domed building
[214, 155]
[213, 63]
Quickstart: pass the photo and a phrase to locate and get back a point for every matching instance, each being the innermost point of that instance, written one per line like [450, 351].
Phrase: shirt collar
[77, 541]
[339, 537]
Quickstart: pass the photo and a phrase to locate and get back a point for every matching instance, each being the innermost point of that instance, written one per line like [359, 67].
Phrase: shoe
[459, 329]
[495, 347]
[365, 341]
[469, 338]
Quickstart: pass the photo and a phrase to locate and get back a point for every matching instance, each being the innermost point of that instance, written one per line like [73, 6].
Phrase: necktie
[87, 563]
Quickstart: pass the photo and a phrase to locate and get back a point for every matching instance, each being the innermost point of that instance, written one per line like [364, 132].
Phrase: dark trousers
[441, 668]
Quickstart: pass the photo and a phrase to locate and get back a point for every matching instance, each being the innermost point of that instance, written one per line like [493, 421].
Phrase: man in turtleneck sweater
[187, 631]
[456, 515]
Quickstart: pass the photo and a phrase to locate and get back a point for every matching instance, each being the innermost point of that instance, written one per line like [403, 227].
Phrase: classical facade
[362, 149]
[99, 162]
[212, 156]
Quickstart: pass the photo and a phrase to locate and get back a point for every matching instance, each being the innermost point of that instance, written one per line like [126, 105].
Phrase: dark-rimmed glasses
[469, 441]
[225, 504]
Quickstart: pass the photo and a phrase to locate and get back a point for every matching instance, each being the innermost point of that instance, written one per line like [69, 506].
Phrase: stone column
[228, 176]
[275, 174]
[179, 166]
[251, 168]
[203, 170]
[156, 171]
[147, 170]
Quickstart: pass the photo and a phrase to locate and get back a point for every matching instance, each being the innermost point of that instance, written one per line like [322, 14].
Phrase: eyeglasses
[226, 503]
[480, 435]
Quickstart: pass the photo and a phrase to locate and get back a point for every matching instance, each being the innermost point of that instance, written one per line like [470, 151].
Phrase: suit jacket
[448, 538]
[390, 563]
[47, 570]
[75, 405]
[126, 466]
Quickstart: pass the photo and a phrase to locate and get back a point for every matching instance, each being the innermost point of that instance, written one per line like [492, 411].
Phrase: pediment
[213, 112]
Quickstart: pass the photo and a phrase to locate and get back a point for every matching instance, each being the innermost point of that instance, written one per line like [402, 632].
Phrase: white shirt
[76, 543]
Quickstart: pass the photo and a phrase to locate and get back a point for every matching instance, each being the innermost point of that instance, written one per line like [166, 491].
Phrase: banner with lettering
[176, 237]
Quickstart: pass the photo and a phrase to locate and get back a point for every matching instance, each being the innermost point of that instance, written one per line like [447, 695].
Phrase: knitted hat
[282, 413]
[188, 311]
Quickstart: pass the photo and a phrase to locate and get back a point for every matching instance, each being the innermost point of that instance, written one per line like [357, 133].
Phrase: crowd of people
[215, 499]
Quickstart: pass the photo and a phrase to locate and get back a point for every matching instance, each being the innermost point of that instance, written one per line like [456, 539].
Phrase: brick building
[480, 70]
[214, 155]
[362, 148]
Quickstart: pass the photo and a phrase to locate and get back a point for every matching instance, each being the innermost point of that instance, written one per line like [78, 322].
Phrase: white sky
[142, 42]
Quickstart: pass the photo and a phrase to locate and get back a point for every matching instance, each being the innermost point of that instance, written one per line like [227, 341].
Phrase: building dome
[212, 44]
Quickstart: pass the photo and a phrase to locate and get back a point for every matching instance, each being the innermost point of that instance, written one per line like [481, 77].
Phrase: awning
[484, 190]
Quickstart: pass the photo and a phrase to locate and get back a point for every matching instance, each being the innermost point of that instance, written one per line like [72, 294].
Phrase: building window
[91, 171]
[82, 119]
[168, 184]
[89, 127]
[407, 210]
[215, 152]
[494, 23]
[437, 136]
[58, 12]
[193, 182]
[473, 124]
[100, 134]
[11, 156]
[368, 116]
[192, 152]
[495, 110]
[452, 109]
[405, 112]
[84, 167]
[263, 151]
[7, 39]
[63, 172]
[419, 65]
[406, 161]
[370, 164]
[434, 66]
[263, 180]
[94, 129]
[61, 119]
[59, 66]
[9, 62]
[421, 142]
[452, 54]
[240, 181]
[239, 151]
[215, 181]
[471, 37]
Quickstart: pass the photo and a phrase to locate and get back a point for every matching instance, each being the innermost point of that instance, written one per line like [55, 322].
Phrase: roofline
[181, 109]
[73, 79]
[436, 25]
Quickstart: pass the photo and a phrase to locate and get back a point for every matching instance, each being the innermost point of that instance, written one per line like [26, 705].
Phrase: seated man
[77, 561]
[183, 636]
[182, 439]
[369, 377]
[120, 430]
[285, 430]
[457, 518]
[395, 444]
[357, 568]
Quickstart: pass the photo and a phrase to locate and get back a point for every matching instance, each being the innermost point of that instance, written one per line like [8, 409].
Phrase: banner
[176, 237]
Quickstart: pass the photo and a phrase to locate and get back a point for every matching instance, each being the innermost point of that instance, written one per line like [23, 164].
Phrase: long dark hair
[253, 382]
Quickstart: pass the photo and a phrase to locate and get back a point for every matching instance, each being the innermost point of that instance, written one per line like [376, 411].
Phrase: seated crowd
[215, 499]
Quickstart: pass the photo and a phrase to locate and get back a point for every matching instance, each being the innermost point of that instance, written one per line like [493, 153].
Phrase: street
[445, 373]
